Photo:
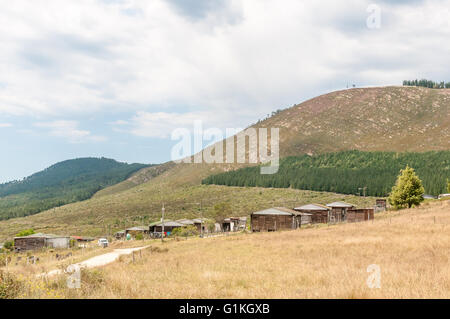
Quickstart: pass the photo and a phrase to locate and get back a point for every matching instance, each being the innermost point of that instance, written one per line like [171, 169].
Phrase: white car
[103, 242]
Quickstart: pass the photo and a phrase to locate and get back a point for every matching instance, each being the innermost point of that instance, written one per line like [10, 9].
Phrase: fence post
[133, 255]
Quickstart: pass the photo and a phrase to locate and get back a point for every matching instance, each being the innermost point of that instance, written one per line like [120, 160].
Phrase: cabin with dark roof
[319, 213]
[338, 211]
[273, 219]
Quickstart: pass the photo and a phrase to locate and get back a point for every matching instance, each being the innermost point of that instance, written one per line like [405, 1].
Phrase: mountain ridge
[389, 118]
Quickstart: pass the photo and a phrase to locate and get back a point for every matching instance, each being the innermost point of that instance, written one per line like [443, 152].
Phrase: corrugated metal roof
[170, 224]
[185, 221]
[41, 235]
[199, 220]
[340, 205]
[142, 228]
[274, 211]
[312, 207]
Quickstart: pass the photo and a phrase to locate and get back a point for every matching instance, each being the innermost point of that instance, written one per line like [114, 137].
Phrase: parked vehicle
[103, 242]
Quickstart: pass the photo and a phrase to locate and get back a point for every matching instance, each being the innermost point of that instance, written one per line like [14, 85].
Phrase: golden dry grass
[412, 247]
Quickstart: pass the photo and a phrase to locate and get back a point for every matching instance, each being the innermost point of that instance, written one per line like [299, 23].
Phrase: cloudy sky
[114, 78]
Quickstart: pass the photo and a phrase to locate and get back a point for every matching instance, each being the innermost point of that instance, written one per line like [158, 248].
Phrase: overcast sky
[113, 78]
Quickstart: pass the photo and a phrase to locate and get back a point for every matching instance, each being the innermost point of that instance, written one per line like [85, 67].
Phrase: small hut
[273, 219]
[120, 234]
[380, 205]
[82, 241]
[338, 211]
[319, 213]
[200, 223]
[234, 224]
[39, 240]
[169, 226]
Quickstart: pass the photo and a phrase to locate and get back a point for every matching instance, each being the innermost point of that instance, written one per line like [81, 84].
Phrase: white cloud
[3, 125]
[70, 131]
[241, 58]
[162, 124]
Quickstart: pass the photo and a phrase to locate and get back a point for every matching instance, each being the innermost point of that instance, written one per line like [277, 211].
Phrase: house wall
[60, 242]
[29, 243]
[303, 220]
[318, 216]
[359, 215]
[158, 229]
[338, 214]
[271, 222]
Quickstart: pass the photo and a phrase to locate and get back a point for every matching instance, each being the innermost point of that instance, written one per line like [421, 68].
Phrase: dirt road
[99, 260]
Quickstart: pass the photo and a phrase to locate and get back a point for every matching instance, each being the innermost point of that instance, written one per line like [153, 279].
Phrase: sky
[115, 78]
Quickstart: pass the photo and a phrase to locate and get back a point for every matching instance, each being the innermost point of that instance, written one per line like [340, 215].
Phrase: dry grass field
[411, 247]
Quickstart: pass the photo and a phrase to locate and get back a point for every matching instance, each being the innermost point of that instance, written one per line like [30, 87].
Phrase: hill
[345, 172]
[62, 183]
[397, 119]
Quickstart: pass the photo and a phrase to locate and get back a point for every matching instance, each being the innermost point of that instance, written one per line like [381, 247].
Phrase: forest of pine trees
[345, 172]
[427, 84]
[63, 183]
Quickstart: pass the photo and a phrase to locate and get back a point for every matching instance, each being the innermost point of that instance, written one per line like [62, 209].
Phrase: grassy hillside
[62, 183]
[345, 172]
[369, 119]
[410, 247]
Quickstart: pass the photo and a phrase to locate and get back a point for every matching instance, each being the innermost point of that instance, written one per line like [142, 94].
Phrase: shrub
[10, 287]
[26, 232]
[9, 245]
[185, 231]
[139, 236]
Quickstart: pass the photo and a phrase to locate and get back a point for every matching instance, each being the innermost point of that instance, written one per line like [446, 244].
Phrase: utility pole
[162, 232]
[201, 218]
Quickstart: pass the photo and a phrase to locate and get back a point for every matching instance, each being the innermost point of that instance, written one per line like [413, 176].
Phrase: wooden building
[232, 224]
[120, 234]
[169, 226]
[39, 241]
[360, 215]
[380, 204]
[200, 224]
[273, 219]
[82, 241]
[319, 213]
[338, 211]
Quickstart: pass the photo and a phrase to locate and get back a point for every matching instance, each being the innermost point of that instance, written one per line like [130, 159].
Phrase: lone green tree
[408, 189]
[221, 211]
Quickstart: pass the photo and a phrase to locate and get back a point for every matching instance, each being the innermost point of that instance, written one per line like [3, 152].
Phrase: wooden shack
[338, 211]
[200, 224]
[380, 204]
[273, 219]
[169, 226]
[319, 213]
[360, 215]
[233, 224]
[39, 241]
